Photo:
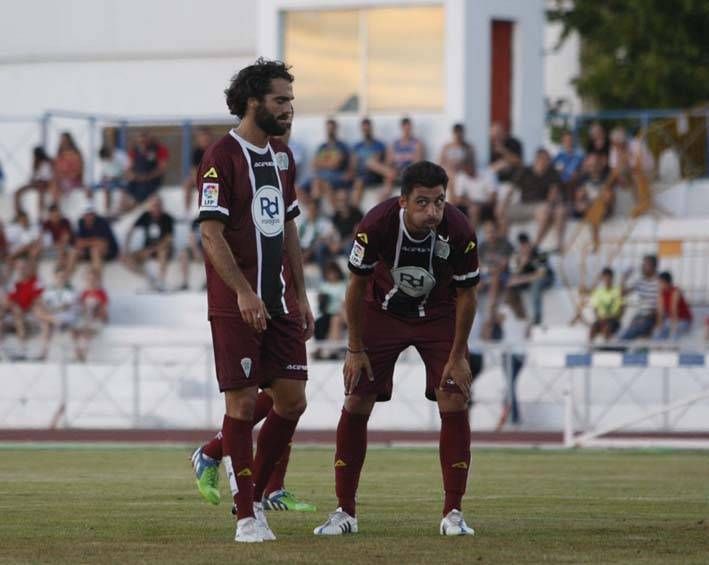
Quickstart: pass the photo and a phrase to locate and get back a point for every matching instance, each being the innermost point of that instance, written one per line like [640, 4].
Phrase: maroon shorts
[386, 336]
[246, 358]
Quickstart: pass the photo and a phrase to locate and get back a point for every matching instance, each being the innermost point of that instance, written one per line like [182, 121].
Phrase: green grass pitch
[108, 505]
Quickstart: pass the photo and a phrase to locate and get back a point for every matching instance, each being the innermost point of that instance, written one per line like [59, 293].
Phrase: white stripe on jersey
[219, 209]
[467, 276]
[295, 203]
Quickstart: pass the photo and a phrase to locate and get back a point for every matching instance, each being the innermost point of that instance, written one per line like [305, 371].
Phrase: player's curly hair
[254, 81]
[422, 173]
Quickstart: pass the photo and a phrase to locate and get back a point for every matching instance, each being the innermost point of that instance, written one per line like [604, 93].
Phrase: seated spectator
[330, 325]
[23, 239]
[598, 142]
[531, 271]
[58, 310]
[112, 171]
[68, 168]
[674, 317]
[541, 197]
[331, 165]
[607, 303]
[59, 238]
[593, 196]
[458, 156]
[191, 252]
[316, 234]
[298, 152]
[402, 153]
[346, 218]
[22, 299]
[40, 180]
[506, 153]
[203, 139]
[147, 165]
[568, 160]
[157, 227]
[93, 311]
[368, 163]
[95, 241]
[494, 254]
[647, 289]
[477, 196]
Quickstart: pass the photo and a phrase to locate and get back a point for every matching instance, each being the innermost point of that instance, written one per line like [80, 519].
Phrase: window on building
[365, 60]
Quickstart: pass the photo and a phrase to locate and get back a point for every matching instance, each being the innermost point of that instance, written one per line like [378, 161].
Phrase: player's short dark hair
[665, 276]
[254, 81]
[422, 173]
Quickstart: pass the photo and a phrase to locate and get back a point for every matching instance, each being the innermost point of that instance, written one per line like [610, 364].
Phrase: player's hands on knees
[308, 319]
[355, 364]
[458, 372]
[253, 310]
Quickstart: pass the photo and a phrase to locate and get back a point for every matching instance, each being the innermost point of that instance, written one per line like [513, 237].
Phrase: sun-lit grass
[140, 506]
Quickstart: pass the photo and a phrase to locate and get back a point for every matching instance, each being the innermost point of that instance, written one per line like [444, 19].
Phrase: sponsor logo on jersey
[411, 249]
[460, 465]
[363, 237]
[245, 472]
[210, 195]
[413, 281]
[294, 367]
[282, 161]
[211, 174]
[340, 463]
[246, 366]
[258, 164]
[470, 247]
[268, 211]
[357, 254]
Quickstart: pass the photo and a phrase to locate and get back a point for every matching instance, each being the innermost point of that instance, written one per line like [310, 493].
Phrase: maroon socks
[349, 458]
[454, 451]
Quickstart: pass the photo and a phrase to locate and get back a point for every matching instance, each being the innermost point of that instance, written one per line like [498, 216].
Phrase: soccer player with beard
[414, 269]
[258, 310]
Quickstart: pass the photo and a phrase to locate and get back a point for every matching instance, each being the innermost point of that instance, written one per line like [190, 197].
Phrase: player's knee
[451, 401]
[356, 404]
[292, 408]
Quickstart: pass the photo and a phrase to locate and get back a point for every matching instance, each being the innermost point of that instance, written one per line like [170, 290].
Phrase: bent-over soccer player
[414, 269]
[258, 310]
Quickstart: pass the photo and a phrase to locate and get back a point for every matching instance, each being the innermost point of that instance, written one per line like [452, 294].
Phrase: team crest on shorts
[246, 366]
[210, 195]
[357, 254]
[282, 161]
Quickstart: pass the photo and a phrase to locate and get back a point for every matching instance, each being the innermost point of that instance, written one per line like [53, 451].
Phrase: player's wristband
[356, 350]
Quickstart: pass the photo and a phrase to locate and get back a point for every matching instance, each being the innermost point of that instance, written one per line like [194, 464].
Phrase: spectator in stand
[191, 252]
[22, 299]
[316, 234]
[458, 156]
[23, 240]
[203, 139]
[93, 310]
[674, 317]
[494, 254]
[68, 168]
[647, 289]
[368, 163]
[331, 165]
[40, 180]
[346, 218]
[58, 310]
[628, 157]
[598, 142]
[157, 227]
[506, 153]
[330, 325]
[298, 151]
[590, 185]
[95, 240]
[477, 196]
[608, 304]
[58, 238]
[568, 160]
[531, 271]
[402, 153]
[541, 197]
[148, 162]
[112, 170]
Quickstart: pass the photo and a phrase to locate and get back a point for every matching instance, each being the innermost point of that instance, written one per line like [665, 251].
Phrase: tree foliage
[639, 53]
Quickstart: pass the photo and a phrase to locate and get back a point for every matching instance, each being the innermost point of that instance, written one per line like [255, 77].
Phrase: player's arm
[356, 359]
[252, 308]
[295, 259]
[457, 367]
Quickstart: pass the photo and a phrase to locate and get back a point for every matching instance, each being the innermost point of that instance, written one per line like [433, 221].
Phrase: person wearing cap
[95, 240]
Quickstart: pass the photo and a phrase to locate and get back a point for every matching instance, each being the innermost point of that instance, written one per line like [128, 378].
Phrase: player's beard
[268, 122]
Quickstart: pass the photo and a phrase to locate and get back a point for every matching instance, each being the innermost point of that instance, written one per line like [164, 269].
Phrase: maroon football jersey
[251, 190]
[414, 277]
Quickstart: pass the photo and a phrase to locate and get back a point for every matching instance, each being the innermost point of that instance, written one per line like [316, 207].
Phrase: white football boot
[266, 532]
[338, 522]
[453, 524]
[248, 531]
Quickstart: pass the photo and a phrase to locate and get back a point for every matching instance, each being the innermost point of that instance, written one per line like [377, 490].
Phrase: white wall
[561, 67]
